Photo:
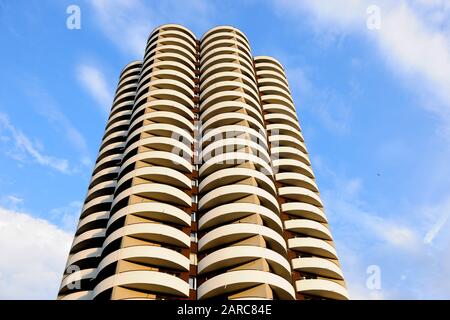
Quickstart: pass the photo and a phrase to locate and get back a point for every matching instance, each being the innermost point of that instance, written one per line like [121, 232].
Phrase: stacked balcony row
[242, 253]
[316, 270]
[78, 280]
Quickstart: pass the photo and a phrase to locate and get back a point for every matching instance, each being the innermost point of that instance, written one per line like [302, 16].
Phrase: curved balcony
[147, 255]
[317, 247]
[269, 65]
[83, 255]
[226, 85]
[158, 192]
[163, 144]
[234, 130]
[165, 117]
[214, 70]
[281, 118]
[231, 118]
[164, 130]
[171, 26]
[284, 129]
[227, 107]
[239, 231]
[300, 194]
[286, 140]
[164, 105]
[238, 255]
[101, 215]
[281, 109]
[231, 193]
[217, 77]
[234, 211]
[229, 96]
[151, 232]
[309, 227]
[79, 295]
[161, 158]
[167, 84]
[75, 277]
[156, 211]
[270, 90]
[226, 57]
[168, 61]
[293, 165]
[272, 81]
[304, 210]
[232, 281]
[224, 146]
[270, 60]
[270, 74]
[297, 180]
[322, 288]
[161, 175]
[225, 28]
[224, 33]
[167, 94]
[169, 34]
[231, 159]
[173, 39]
[153, 281]
[291, 153]
[234, 175]
[225, 43]
[87, 239]
[319, 266]
[205, 57]
[172, 75]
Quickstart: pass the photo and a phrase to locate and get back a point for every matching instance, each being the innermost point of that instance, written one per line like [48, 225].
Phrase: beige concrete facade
[203, 187]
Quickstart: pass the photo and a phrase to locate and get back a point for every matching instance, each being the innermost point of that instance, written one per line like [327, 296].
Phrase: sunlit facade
[203, 187]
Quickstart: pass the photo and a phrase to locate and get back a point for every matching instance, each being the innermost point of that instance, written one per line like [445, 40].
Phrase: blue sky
[374, 106]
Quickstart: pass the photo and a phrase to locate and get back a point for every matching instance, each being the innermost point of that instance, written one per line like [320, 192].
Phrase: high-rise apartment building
[203, 186]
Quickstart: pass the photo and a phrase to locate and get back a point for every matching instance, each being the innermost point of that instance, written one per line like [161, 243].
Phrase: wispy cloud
[93, 81]
[22, 148]
[33, 256]
[325, 103]
[11, 201]
[414, 40]
[128, 23]
[439, 214]
[392, 240]
[66, 217]
[48, 108]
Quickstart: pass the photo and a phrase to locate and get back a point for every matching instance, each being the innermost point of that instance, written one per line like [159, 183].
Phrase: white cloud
[128, 23]
[93, 80]
[11, 201]
[23, 148]
[392, 239]
[49, 109]
[413, 39]
[325, 103]
[66, 217]
[33, 256]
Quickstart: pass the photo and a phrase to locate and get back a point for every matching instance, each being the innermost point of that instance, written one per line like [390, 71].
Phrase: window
[194, 183]
[192, 283]
[194, 198]
[193, 259]
[193, 236]
[194, 216]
